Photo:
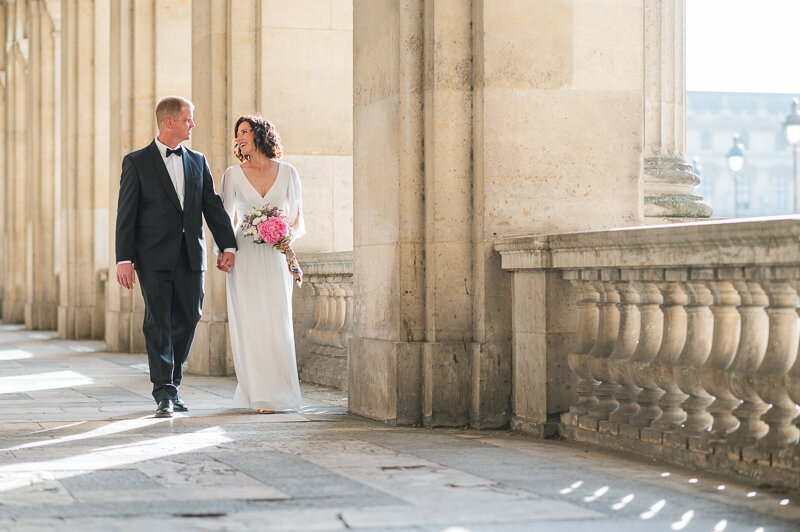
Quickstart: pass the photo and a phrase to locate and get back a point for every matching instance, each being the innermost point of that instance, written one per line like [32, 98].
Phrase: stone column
[84, 192]
[151, 50]
[217, 26]
[447, 366]
[16, 162]
[389, 211]
[667, 179]
[41, 304]
[3, 146]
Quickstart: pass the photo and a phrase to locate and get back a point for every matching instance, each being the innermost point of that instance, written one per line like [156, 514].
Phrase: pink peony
[273, 229]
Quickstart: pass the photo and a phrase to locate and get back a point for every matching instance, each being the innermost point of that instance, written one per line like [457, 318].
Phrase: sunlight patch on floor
[43, 381]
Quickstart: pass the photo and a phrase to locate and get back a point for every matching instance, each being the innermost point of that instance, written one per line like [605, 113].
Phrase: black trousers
[172, 304]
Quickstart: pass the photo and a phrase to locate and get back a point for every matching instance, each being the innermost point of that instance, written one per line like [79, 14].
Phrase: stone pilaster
[389, 223]
[447, 364]
[84, 191]
[667, 179]
[16, 162]
[211, 41]
[41, 305]
[3, 146]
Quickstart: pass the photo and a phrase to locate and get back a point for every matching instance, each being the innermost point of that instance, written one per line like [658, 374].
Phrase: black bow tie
[177, 151]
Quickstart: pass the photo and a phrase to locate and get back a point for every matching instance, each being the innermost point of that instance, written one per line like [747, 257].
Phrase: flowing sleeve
[294, 206]
[228, 195]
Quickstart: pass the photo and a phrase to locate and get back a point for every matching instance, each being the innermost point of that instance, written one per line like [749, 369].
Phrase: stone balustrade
[682, 340]
[323, 317]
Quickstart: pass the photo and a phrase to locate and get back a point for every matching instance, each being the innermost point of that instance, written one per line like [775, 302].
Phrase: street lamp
[791, 130]
[735, 163]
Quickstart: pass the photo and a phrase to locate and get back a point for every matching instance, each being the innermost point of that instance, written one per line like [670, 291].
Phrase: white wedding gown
[259, 290]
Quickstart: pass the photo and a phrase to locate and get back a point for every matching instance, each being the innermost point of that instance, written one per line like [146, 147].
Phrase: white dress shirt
[174, 166]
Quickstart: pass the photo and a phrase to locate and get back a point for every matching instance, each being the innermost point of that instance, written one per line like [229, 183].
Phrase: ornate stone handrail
[687, 342]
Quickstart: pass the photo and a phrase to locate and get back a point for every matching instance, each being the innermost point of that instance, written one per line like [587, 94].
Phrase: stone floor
[80, 450]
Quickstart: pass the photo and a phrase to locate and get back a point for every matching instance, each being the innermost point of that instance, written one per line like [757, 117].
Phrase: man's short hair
[171, 106]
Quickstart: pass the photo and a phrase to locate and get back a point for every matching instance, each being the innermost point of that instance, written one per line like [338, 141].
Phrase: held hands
[126, 275]
[225, 261]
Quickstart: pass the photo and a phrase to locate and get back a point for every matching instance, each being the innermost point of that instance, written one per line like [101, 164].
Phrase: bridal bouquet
[267, 226]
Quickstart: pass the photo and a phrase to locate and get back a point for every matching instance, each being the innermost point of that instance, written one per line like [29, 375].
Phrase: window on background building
[705, 140]
[780, 193]
[743, 193]
[708, 189]
[780, 141]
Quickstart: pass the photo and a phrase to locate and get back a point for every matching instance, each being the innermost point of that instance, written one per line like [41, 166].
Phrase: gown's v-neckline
[277, 175]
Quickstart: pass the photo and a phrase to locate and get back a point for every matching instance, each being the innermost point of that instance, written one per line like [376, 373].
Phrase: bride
[259, 288]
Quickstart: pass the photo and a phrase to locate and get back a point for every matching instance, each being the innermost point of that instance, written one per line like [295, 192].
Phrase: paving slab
[81, 450]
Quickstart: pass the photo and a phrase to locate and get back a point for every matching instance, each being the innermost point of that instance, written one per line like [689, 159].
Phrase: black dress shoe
[179, 405]
[164, 408]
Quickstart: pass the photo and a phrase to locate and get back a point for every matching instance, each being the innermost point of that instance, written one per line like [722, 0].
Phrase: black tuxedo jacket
[150, 221]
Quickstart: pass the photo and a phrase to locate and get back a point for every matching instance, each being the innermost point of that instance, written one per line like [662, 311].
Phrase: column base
[446, 378]
[123, 332]
[668, 197]
[210, 354]
[385, 380]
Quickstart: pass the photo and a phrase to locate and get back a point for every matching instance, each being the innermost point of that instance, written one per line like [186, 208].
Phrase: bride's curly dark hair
[265, 136]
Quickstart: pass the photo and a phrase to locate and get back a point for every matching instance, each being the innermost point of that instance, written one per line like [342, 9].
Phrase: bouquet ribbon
[291, 260]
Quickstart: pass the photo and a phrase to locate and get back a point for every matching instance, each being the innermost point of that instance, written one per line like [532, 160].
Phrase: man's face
[183, 124]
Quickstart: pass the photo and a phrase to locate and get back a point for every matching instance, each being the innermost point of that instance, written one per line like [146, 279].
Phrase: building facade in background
[764, 185]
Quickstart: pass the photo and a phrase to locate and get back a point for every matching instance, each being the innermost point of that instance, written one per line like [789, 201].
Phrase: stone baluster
[792, 381]
[321, 304]
[675, 330]
[619, 362]
[699, 334]
[578, 359]
[650, 338]
[608, 331]
[749, 356]
[779, 358]
[724, 345]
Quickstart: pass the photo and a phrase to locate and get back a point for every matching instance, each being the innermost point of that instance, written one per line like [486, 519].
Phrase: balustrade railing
[687, 343]
[323, 337]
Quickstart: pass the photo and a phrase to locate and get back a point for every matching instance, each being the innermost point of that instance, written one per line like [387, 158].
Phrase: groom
[163, 191]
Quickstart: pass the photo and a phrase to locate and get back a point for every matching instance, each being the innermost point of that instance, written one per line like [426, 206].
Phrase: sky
[743, 45]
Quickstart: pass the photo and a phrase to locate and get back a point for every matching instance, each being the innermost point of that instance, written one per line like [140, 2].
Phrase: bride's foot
[262, 411]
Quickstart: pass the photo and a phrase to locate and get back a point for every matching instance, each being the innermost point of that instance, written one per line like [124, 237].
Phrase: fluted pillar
[15, 209]
[668, 180]
[41, 306]
[3, 157]
[84, 192]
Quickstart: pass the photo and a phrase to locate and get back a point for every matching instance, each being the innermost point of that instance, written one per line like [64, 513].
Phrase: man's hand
[225, 261]
[126, 275]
